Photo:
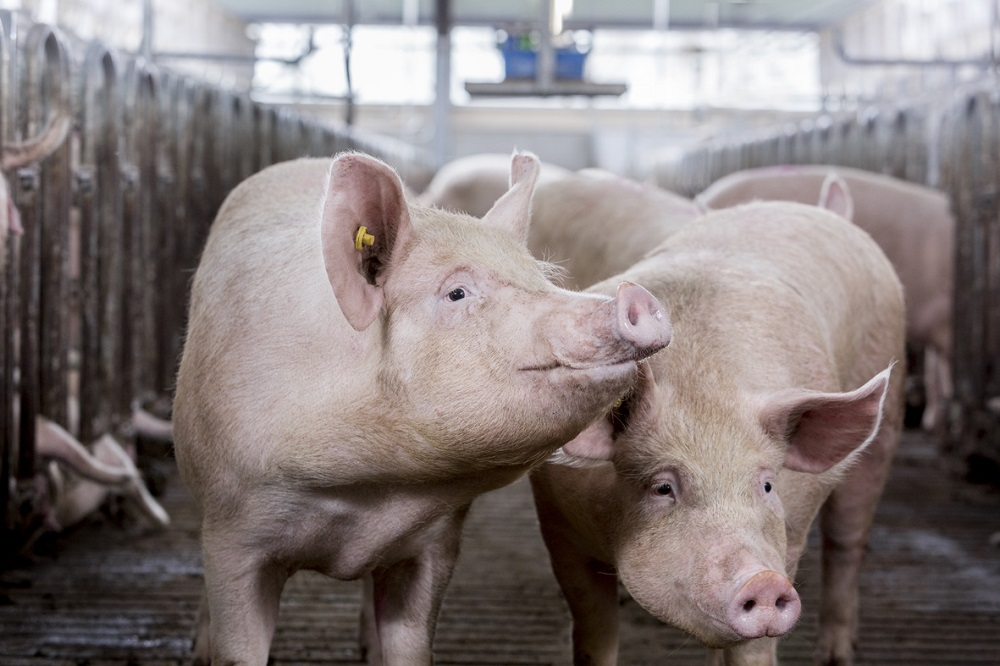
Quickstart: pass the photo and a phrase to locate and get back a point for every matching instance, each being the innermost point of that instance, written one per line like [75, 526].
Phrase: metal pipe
[984, 62]
[146, 47]
[442, 85]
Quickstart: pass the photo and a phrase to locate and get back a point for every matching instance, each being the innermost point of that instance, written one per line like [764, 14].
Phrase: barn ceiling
[677, 14]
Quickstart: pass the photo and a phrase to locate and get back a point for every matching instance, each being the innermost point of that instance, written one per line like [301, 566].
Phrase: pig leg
[53, 442]
[845, 523]
[589, 586]
[937, 382]
[150, 427]
[201, 647]
[370, 651]
[407, 596]
[243, 593]
[591, 591]
[759, 652]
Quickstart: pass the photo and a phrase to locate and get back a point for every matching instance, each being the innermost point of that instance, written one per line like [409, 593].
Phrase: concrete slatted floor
[111, 595]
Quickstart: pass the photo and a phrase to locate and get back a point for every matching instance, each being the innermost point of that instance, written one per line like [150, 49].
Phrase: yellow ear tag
[363, 238]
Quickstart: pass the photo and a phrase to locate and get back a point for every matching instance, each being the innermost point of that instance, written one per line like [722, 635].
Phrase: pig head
[774, 399]
[357, 369]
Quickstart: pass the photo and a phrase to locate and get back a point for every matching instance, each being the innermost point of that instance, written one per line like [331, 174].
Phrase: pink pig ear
[512, 211]
[823, 429]
[362, 192]
[597, 442]
[836, 197]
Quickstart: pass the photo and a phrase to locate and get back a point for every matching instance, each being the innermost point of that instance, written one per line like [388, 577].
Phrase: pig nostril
[633, 314]
[748, 606]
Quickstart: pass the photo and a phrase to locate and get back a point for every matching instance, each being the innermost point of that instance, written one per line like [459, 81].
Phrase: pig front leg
[589, 586]
[591, 591]
[242, 594]
[201, 648]
[759, 652]
[405, 598]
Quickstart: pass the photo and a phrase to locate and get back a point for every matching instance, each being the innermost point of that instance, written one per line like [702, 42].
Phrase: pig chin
[678, 611]
[582, 388]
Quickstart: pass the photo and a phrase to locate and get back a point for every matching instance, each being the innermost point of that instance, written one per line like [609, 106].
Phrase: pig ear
[836, 197]
[512, 211]
[362, 192]
[823, 429]
[597, 442]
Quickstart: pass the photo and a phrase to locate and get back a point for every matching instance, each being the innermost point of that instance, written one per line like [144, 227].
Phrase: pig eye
[663, 489]
[456, 294]
[768, 487]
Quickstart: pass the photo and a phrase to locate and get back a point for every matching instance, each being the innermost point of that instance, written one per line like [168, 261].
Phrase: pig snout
[640, 320]
[766, 605]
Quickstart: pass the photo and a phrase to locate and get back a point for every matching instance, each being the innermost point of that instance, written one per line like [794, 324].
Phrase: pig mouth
[558, 365]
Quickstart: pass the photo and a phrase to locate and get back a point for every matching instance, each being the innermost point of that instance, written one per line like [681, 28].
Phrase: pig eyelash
[663, 490]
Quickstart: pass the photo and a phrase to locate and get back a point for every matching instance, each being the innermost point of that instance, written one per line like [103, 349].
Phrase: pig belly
[346, 532]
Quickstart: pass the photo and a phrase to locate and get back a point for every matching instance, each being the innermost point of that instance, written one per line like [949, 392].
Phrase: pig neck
[366, 435]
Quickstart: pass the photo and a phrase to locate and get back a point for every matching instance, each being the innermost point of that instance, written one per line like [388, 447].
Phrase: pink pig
[595, 224]
[356, 371]
[774, 403]
[914, 227]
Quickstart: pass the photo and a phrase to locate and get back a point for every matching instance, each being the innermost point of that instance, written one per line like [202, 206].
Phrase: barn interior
[124, 124]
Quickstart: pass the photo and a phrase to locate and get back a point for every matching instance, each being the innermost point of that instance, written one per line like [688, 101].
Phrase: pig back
[773, 295]
[911, 223]
[595, 226]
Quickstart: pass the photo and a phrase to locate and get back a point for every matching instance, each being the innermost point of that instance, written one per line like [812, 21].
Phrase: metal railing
[952, 144]
[93, 294]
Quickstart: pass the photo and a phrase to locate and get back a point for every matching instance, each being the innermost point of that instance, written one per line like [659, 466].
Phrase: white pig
[912, 224]
[472, 184]
[773, 403]
[356, 371]
[595, 224]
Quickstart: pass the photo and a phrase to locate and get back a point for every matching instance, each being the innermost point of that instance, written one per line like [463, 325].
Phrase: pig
[104, 470]
[17, 155]
[358, 369]
[912, 224]
[151, 427]
[75, 480]
[594, 224]
[774, 403]
[472, 184]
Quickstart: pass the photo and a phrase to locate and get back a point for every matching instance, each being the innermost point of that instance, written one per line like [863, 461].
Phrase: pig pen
[106, 595]
[93, 294]
[92, 299]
